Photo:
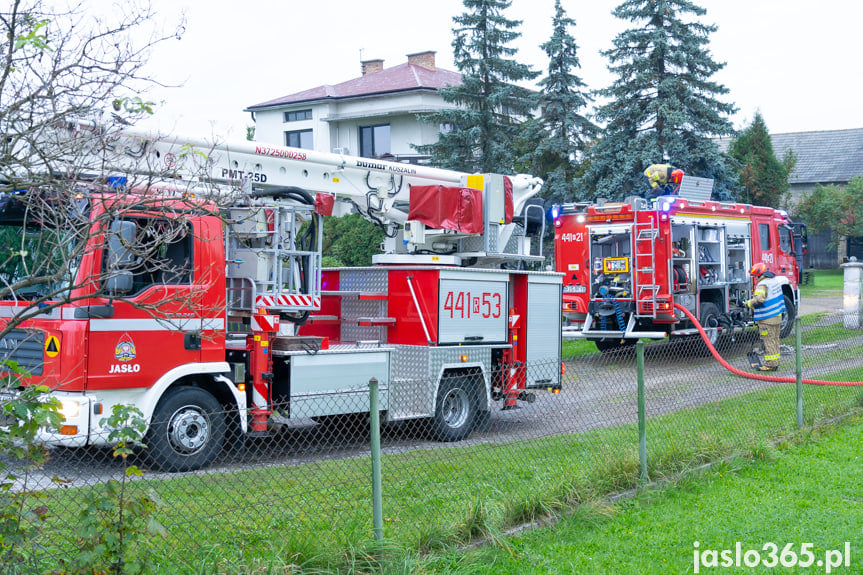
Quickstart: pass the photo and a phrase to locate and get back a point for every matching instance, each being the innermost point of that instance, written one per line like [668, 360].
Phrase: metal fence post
[377, 492]
[642, 421]
[798, 360]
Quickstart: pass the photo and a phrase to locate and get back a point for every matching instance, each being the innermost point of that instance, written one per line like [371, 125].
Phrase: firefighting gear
[658, 174]
[708, 275]
[769, 332]
[662, 178]
[768, 305]
[681, 278]
[758, 269]
[767, 300]
[754, 355]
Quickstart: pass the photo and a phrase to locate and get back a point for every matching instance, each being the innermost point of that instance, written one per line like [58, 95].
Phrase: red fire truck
[626, 264]
[248, 324]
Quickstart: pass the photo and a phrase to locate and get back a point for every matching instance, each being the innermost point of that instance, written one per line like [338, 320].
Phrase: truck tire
[710, 318]
[187, 430]
[788, 318]
[456, 408]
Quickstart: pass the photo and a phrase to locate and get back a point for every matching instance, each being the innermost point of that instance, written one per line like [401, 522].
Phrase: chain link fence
[299, 498]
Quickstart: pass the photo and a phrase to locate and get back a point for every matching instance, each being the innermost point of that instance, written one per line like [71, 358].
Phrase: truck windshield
[39, 253]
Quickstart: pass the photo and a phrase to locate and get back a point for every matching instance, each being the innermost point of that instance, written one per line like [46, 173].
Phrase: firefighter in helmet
[767, 305]
[664, 179]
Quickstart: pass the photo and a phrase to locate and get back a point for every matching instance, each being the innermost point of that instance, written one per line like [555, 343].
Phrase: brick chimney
[372, 66]
[424, 59]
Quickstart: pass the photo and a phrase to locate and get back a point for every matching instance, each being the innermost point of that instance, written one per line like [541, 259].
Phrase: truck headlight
[69, 408]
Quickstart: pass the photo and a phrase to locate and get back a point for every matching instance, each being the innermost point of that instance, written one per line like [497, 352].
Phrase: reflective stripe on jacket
[658, 174]
[774, 304]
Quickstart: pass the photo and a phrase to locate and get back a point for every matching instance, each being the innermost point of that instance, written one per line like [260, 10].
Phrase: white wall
[336, 124]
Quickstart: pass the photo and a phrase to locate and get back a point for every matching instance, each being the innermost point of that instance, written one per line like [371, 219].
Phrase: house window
[374, 140]
[299, 139]
[298, 115]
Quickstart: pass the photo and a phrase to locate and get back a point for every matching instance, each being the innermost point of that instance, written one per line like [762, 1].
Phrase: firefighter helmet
[676, 176]
[758, 269]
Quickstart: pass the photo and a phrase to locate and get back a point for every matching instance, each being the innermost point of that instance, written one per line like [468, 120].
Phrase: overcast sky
[799, 63]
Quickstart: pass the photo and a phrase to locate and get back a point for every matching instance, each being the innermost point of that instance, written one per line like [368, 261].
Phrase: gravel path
[598, 391]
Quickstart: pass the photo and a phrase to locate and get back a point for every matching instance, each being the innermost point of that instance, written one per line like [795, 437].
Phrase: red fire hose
[746, 374]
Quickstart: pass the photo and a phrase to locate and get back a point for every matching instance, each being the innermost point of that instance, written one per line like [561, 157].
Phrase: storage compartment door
[337, 383]
[543, 335]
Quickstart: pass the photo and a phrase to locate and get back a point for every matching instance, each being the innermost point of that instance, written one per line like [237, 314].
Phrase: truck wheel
[788, 318]
[187, 430]
[456, 408]
[710, 318]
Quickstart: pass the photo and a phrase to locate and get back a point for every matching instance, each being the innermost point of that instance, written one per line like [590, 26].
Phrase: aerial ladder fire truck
[626, 264]
[448, 319]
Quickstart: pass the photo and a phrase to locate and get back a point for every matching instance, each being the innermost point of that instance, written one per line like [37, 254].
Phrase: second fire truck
[626, 264]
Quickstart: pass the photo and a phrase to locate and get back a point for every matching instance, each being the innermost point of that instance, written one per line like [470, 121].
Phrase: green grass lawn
[824, 283]
[571, 348]
[793, 494]
[319, 515]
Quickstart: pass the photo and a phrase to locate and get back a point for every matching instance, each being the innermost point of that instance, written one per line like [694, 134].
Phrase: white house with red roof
[371, 116]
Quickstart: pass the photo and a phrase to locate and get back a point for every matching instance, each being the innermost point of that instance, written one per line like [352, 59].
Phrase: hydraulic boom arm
[378, 190]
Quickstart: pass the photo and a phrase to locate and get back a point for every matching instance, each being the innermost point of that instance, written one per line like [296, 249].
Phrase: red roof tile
[402, 78]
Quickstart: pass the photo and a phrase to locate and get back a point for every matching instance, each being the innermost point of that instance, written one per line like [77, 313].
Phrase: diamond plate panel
[472, 244]
[491, 233]
[512, 243]
[415, 375]
[451, 357]
[364, 279]
[411, 362]
[411, 388]
[352, 308]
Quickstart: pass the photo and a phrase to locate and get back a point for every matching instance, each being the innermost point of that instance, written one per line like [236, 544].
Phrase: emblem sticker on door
[125, 351]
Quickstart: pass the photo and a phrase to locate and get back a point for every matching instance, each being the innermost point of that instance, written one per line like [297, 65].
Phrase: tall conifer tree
[555, 139]
[479, 135]
[663, 106]
[764, 177]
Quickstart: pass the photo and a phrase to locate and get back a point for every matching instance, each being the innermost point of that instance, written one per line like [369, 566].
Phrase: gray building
[823, 157]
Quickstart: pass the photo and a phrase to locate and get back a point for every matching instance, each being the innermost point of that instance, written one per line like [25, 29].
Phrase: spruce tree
[663, 107]
[479, 134]
[555, 139]
[764, 178]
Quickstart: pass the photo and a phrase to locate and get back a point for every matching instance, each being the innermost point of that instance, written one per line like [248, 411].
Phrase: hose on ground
[748, 375]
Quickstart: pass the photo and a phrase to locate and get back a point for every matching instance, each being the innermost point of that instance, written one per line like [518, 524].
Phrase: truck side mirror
[119, 283]
[121, 236]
